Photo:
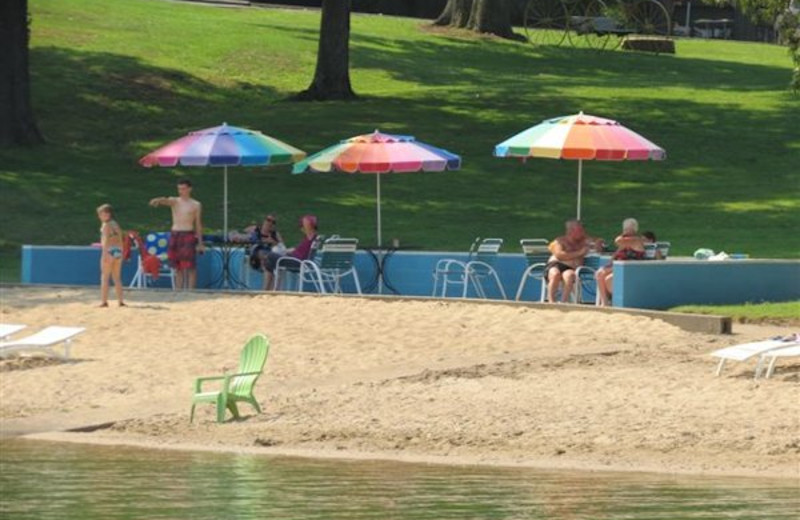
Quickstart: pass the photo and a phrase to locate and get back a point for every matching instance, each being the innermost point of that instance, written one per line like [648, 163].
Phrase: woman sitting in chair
[308, 224]
[630, 246]
[267, 239]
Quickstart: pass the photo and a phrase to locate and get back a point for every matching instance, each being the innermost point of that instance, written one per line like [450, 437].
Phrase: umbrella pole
[225, 206]
[380, 253]
[378, 190]
[580, 175]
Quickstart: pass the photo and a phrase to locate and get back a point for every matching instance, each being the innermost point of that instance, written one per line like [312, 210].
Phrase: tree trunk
[493, 17]
[455, 13]
[17, 125]
[332, 76]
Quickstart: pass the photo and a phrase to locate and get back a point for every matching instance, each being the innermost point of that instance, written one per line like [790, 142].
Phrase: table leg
[384, 278]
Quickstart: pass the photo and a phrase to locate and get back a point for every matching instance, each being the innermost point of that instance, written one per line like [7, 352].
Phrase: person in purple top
[308, 224]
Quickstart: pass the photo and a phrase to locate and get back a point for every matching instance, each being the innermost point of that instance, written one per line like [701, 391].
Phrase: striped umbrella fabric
[580, 137]
[223, 146]
[380, 153]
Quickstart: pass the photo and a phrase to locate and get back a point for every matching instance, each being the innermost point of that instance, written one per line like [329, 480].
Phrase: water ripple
[42, 481]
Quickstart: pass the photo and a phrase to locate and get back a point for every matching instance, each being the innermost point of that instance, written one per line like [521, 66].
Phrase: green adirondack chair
[235, 387]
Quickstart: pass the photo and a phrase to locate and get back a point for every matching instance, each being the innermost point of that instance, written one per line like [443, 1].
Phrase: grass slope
[785, 313]
[113, 79]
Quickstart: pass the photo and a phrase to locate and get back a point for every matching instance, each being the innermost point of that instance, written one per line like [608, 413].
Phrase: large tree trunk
[455, 13]
[493, 17]
[483, 16]
[332, 76]
[17, 125]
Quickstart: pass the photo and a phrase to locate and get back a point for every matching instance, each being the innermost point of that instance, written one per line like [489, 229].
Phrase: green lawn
[113, 79]
[780, 313]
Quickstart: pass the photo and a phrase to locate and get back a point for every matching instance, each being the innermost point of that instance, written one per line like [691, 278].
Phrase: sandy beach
[439, 381]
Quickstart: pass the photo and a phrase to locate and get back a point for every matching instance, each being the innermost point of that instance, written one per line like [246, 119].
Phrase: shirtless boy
[186, 236]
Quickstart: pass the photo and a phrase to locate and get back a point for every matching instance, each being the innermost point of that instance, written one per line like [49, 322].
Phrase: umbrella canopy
[223, 146]
[380, 153]
[582, 137]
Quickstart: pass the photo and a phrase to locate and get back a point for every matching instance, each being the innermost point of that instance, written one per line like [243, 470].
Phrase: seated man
[568, 252]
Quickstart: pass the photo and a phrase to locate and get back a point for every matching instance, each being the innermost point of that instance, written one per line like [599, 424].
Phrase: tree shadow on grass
[103, 111]
[459, 62]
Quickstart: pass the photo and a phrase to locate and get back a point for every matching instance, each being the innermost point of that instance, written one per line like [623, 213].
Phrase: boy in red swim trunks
[186, 235]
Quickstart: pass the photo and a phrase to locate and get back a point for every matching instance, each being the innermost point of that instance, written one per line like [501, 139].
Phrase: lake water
[43, 480]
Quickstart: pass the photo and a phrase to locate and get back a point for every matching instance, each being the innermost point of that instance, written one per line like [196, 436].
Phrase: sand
[440, 381]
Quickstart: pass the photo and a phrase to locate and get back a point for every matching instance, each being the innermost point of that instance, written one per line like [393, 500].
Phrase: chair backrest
[650, 251]
[338, 253]
[488, 249]
[535, 250]
[316, 245]
[252, 359]
[473, 247]
[663, 249]
[155, 242]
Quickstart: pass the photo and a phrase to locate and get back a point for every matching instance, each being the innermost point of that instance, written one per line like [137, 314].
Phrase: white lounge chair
[769, 358]
[7, 329]
[45, 340]
[745, 351]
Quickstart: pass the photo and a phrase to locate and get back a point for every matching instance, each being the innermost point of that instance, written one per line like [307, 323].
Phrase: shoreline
[551, 464]
[433, 381]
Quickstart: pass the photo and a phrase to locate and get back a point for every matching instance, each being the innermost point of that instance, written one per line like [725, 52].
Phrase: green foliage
[762, 11]
[777, 13]
[786, 312]
[114, 79]
[788, 26]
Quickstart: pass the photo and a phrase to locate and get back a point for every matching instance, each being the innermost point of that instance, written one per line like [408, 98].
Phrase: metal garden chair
[478, 268]
[536, 254]
[334, 262]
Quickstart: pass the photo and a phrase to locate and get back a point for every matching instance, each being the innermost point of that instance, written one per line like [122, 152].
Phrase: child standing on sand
[110, 254]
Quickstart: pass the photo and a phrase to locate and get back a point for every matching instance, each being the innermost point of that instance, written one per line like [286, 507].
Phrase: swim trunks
[628, 254]
[182, 250]
[560, 265]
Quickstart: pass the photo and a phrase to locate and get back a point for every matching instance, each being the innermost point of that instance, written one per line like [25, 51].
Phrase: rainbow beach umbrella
[380, 153]
[580, 137]
[223, 146]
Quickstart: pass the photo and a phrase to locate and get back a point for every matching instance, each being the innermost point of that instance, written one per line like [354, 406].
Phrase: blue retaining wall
[645, 284]
[660, 285]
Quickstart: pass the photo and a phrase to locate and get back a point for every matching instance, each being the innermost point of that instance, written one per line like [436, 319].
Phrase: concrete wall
[637, 284]
[664, 284]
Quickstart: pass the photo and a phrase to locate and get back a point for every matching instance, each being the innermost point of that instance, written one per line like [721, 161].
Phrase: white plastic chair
[45, 340]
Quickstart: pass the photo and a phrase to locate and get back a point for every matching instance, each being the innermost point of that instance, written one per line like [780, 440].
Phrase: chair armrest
[246, 374]
[478, 263]
[288, 259]
[289, 263]
[446, 265]
[198, 383]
